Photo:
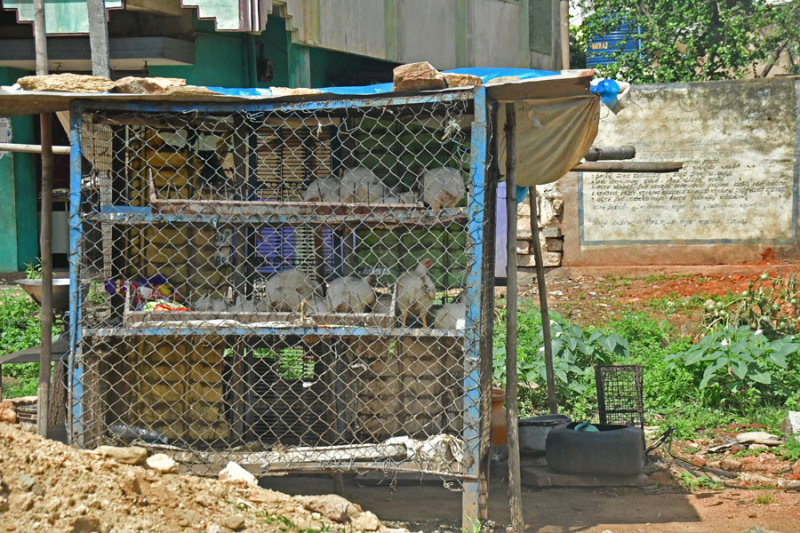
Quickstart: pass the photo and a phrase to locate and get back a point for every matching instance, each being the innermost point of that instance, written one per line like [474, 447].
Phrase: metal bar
[470, 502]
[552, 402]
[225, 327]
[32, 148]
[270, 213]
[512, 385]
[73, 396]
[98, 38]
[635, 166]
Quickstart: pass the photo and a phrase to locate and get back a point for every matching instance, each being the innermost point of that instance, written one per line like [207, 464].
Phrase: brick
[549, 259]
[205, 374]
[551, 231]
[523, 247]
[555, 244]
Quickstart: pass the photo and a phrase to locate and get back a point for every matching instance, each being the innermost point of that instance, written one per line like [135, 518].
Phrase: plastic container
[533, 432]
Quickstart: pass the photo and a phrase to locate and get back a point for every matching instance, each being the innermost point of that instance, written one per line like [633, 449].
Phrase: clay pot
[499, 428]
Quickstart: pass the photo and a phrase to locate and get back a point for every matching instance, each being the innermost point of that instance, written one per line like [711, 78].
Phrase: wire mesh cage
[289, 286]
[619, 394]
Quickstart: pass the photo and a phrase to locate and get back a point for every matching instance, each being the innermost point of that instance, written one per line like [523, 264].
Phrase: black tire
[614, 450]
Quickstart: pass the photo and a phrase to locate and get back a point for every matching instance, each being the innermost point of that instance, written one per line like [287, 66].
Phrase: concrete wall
[735, 198]
[448, 33]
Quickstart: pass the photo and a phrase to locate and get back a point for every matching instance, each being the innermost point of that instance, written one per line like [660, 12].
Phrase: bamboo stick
[552, 401]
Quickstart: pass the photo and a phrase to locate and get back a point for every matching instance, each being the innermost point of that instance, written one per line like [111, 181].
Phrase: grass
[19, 329]
[764, 499]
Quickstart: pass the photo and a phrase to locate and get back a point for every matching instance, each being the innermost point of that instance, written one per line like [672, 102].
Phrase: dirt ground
[429, 507]
[49, 486]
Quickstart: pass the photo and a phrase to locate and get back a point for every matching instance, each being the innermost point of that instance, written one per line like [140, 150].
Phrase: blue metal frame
[74, 396]
[471, 335]
[472, 355]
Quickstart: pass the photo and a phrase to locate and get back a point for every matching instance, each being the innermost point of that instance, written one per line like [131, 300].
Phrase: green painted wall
[220, 60]
[19, 231]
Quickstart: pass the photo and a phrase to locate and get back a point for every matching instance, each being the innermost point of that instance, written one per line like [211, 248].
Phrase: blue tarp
[485, 74]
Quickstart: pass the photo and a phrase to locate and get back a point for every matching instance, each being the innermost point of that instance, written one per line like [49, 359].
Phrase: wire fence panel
[284, 288]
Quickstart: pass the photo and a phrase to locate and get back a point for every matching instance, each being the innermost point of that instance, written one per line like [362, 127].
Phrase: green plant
[474, 526]
[764, 499]
[769, 305]
[33, 270]
[739, 367]
[692, 40]
[575, 351]
[693, 483]
[790, 450]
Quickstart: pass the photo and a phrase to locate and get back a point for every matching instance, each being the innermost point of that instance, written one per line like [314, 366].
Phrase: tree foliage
[695, 40]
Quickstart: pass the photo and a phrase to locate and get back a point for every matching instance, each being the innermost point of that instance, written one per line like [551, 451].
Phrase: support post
[470, 498]
[46, 232]
[98, 38]
[487, 311]
[512, 383]
[564, 20]
[552, 402]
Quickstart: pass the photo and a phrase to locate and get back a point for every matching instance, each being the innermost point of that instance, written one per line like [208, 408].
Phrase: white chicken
[451, 316]
[360, 185]
[350, 294]
[415, 292]
[285, 290]
[323, 190]
[442, 187]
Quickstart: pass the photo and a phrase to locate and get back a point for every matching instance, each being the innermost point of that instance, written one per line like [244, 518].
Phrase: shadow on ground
[429, 506]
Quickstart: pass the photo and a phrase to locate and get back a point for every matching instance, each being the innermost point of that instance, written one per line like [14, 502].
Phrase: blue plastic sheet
[485, 74]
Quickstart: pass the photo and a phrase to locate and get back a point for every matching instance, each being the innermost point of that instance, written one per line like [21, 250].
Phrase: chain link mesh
[282, 288]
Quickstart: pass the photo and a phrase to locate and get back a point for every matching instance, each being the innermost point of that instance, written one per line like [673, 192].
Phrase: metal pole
[512, 383]
[552, 402]
[98, 38]
[45, 233]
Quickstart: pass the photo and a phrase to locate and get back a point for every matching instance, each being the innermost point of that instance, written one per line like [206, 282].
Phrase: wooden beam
[512, 382]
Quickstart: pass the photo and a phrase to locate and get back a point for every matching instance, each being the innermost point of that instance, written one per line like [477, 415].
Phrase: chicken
[360, 185]
[442, 187]
[451, 316]
[285, 290]
[350, 294]
[415, 292]
[323, 190]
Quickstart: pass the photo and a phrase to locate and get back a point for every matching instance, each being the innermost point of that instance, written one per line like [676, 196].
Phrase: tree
[695, 40]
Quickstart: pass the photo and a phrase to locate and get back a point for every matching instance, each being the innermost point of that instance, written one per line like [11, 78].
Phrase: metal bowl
[60, 292]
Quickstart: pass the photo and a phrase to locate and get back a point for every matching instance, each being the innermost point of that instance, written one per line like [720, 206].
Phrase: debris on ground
[47, 485]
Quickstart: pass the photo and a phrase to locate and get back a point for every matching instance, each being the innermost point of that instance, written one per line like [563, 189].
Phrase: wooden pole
[98, 38]
[487, 313]
[45, 233]
[552, 401]
[512, 382]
